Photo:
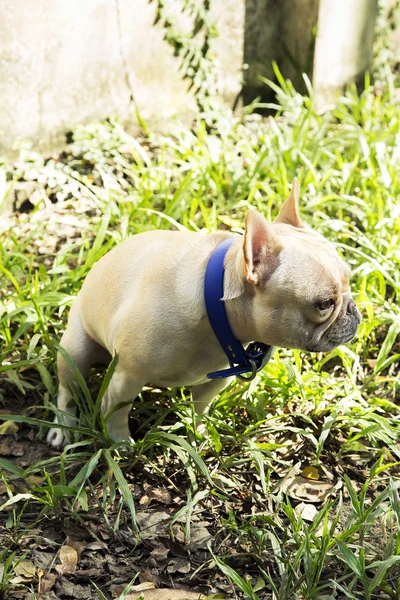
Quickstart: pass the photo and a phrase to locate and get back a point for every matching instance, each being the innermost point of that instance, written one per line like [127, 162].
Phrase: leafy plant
[317, 420]
[194, 48]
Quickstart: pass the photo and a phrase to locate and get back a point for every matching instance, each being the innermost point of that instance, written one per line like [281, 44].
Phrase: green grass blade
[124, 488]
[76, 373]
[166, 438]
[243, 585]
[350, 559]
[11, 467]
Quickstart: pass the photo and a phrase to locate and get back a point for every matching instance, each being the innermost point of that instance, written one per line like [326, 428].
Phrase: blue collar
[256, 356]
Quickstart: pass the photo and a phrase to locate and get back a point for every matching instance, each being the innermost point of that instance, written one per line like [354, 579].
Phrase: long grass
[336, 413]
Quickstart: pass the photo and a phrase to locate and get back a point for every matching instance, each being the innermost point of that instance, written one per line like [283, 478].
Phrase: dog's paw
[56, 438]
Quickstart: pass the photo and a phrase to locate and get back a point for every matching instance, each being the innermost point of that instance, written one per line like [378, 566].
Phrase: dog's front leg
[57, 437]
[203, 394]
[122, 389]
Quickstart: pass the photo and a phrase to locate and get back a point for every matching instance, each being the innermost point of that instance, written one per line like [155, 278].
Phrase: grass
[320, 430]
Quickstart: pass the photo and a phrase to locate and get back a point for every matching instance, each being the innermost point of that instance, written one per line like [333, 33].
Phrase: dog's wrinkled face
[311, 295]
[300, 285]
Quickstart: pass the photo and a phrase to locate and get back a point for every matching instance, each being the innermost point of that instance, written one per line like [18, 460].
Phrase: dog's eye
[325, 304]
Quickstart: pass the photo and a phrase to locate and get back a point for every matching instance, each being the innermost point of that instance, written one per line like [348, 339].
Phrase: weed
[310, 429]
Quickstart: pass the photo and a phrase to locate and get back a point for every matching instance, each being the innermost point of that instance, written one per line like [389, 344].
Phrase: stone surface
[343, 49]
[229, 16]
[391, 13]
[69, 62]
[60, 65]
[64, 63]
[330, 41]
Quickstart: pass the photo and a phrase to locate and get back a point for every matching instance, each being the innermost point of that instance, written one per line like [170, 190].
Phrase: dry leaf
[146, 576]
[311, 473]
[199, 537]
[19, 579]
[42, 560]
[144, 501]
[78, 545]
[160, 553]
[9, 447]
[180, 565]
[300, 488]
[178, 534]
[4, 488]
[26, 569]
[160, 494]
[146, 585]
[97, 545]
[151, 525]
[307, 511]
[64, 587]
[47, 582]
[69, 560]
[166, 594]
[21, 595]
[8, 428]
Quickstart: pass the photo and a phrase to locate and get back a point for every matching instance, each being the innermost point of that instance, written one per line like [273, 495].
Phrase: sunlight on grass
[337, 413]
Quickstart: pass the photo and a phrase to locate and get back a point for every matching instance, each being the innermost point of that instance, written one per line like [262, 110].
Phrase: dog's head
[297, 283]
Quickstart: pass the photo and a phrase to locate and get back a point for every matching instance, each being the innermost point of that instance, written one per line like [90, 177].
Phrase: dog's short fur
[285, 285]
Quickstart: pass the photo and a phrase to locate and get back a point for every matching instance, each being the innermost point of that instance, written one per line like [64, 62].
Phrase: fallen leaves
[309, 486]
[165, 594]
[25, 572]
[153, 524]
[69, 560]
[158, 494]
[47, 582]
[199, 536]
[8, 428]
[171, 549]
[10, 447]
[160, 553]
[301, 488]
[64, 587]
[307, 512]
[181, 565]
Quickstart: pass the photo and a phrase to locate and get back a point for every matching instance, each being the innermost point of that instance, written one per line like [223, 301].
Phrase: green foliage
[338, 411]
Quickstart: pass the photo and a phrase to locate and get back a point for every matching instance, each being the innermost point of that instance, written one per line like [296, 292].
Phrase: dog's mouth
[333, 338]
[341, 331]
[326, 345]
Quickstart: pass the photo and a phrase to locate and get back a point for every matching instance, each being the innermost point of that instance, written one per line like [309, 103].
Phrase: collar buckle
[252, 374]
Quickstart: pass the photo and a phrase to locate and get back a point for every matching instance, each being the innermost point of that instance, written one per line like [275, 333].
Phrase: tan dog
[285, 285]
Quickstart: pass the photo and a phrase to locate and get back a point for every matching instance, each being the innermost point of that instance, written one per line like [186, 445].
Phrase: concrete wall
[343, 50]
[390, 20]
[64, 62]
[329, 40]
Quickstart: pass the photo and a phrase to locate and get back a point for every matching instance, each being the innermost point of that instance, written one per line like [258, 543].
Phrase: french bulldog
[285, 285]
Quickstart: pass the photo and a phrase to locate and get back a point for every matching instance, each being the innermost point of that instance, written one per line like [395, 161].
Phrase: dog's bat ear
[289, 212]
[260, 248]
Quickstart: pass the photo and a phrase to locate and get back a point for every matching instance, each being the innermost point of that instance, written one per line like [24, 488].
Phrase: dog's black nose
[353, 313]
[351, 307]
